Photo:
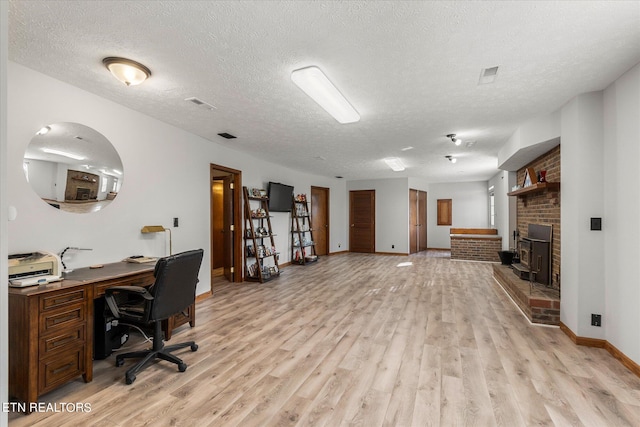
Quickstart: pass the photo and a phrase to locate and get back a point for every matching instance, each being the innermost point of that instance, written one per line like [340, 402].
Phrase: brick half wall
[476, 248]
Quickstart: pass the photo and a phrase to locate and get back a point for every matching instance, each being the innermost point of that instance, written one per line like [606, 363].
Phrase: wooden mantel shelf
[536, 188]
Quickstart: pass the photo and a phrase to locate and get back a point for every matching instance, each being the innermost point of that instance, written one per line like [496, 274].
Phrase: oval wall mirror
[73, 168]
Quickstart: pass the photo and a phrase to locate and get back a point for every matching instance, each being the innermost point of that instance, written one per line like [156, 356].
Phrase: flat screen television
[280, 197]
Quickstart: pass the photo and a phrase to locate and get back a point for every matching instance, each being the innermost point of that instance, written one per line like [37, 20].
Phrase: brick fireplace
[543, 208]
[81, 186]
[538, 207]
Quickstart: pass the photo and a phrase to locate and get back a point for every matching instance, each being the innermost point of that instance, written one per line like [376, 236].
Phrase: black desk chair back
[173, 291]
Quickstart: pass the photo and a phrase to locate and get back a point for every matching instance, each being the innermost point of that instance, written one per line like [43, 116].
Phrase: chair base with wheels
[172, 292]
[158, 351]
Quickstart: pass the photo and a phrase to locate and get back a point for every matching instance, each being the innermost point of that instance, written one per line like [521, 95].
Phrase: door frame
[237, 221]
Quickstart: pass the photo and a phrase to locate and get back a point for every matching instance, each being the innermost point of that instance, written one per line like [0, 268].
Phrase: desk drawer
[62, 299]
[63, 318]
[57, 370]
[144, 280]
[64, 340]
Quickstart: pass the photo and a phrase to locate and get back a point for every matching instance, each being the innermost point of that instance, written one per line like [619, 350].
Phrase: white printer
[34, 268]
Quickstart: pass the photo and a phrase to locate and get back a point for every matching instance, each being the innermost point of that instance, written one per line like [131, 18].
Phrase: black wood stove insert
[535, 254]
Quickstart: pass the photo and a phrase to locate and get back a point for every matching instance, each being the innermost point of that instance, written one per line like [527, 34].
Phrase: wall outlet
[339, 245]
[596, 319]
[175, 222]
[393, 246]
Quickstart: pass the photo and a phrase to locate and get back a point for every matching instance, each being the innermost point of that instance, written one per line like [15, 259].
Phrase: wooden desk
[51, 327]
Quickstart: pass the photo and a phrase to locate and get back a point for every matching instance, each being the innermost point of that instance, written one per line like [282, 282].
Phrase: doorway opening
[226, 225]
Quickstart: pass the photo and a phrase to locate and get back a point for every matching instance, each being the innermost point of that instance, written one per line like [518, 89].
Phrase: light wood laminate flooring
[366, 340]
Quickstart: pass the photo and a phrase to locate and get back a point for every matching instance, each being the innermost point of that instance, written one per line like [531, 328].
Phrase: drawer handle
[64, 319]
[58, 343]
[62, 369]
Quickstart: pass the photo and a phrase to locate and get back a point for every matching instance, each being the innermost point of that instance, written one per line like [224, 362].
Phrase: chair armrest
[130, 290]
[137, 290]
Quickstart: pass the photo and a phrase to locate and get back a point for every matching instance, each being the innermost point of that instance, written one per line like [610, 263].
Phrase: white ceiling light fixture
[63, 153]
[452, 137]
[394, 163]
[43, 131]
[127, 71]
[451, 159]
[315, 84]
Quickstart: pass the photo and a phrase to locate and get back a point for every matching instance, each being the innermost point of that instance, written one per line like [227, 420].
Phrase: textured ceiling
[411, 69]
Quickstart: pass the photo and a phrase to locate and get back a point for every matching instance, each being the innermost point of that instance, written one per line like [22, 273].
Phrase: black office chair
[173, 292]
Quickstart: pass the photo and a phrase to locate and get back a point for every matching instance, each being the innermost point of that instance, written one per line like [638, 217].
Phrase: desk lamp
[158, 229]
[64, 267]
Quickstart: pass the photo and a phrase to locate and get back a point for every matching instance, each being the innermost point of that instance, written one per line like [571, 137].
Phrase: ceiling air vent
[488, 75]
[200, 103]
[226, 135]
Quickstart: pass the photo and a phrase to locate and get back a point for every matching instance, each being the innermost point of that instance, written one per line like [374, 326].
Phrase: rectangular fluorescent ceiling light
[315, 84]
[62, 153]
[394, 163]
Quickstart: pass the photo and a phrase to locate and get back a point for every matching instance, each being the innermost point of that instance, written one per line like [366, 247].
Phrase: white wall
[259, 176]
[599, 157]
[43, 177]
[4, 297]
[527, 139]
[392, 212]
[505, 206]
[470, 209]
[159, 184]
[621, 221]
[582, 272]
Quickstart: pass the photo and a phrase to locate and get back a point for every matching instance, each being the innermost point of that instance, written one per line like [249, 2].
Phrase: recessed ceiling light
[407, 148]
[315, 84]
[451, 159]
[394, 163]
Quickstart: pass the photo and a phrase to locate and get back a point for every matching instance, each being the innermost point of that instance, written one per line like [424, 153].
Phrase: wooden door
[417, 221]
[413, 221]
[422, 220]
[228, 230]
[217, 224]
[320, 219]
[362, 215]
